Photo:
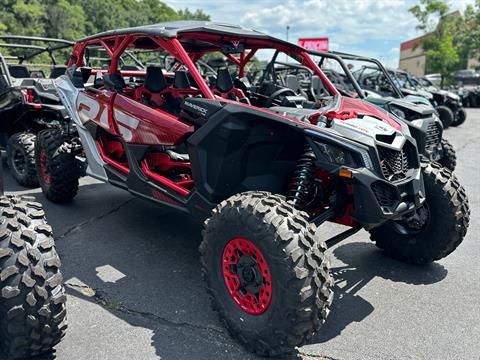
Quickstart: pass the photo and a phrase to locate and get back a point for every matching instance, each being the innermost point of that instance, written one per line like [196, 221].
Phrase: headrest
[57, 71]
[224, 80]
[180, 81]
[114, 81]
[292, 82]
[18, 71]
[154, 79]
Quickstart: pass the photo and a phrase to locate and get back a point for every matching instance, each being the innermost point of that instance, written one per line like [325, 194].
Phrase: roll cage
[188, 48]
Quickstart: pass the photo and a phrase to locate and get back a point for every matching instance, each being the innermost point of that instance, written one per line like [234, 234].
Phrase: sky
[364, 27]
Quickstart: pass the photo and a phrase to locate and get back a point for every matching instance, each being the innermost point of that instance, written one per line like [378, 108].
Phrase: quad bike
[424, 124]
[32, 297]
[263, 166]
[28, 100]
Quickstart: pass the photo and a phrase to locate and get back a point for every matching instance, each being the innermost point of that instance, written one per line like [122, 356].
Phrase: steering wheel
[277, 96]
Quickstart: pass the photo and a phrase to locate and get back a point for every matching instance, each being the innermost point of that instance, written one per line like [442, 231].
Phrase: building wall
[412, 56]
[414, 64]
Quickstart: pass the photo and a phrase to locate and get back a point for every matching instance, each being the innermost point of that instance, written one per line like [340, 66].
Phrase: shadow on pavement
[142, 265]
[363, 262]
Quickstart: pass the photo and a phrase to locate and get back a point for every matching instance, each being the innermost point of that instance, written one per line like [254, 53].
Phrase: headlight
[335, 155]
[343, 157]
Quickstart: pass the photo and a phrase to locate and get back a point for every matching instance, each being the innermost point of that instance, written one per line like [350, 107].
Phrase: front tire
[449, 156]
[32, 297]
[460, 118]
[446, 115]
[259, 236]
[21, 158]
[446, 216]
[58, 172]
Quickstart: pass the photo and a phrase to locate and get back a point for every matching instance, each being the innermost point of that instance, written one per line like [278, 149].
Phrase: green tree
[468, 34]
[439, 46]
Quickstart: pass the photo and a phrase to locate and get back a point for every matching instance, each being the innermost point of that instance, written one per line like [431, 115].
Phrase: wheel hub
[19, 161]
[247, 276]
[44, 168]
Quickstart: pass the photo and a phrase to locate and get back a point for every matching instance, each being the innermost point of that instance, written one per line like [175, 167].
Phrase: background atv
[447, 104]
[261, 163]
[28, 100]
[32, 297]
[424, 124]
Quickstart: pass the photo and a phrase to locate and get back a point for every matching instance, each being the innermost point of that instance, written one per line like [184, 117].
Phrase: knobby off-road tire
[446, 115]
[58, 173]
[21, 158]
[447, 224]
[301, 286]
[460, 118]
[449, 157]
[32, 297]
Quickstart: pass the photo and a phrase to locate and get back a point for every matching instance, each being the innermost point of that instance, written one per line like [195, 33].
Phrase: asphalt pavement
[134, 288]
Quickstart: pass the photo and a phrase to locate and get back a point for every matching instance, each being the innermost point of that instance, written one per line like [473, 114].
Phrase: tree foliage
[72, 19]
[452, 37]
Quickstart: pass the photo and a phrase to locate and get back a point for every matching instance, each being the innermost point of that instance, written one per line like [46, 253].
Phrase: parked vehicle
[28, 100]
[261, 163]
[32, 297]
[424, 124]
[449, 98]
[447, 104]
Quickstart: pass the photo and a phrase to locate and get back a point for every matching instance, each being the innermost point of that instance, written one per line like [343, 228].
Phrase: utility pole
[286, 56]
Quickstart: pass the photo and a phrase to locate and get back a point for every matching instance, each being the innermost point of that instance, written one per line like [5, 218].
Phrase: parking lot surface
[132, 274]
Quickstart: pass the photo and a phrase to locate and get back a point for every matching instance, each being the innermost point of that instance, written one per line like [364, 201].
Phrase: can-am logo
[235, 43]
[195, 107]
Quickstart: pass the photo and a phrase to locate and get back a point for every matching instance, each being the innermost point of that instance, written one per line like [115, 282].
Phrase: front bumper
[376, 200]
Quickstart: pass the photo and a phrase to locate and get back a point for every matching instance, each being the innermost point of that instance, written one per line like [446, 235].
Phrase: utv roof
[174, 28]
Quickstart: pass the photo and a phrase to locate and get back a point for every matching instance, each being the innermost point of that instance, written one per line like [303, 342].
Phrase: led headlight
[339, 156]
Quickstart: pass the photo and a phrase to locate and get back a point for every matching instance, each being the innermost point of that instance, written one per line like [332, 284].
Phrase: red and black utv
[264, 165]
[28, 100]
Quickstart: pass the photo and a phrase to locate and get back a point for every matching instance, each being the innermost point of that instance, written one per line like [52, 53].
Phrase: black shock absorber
[302, 188]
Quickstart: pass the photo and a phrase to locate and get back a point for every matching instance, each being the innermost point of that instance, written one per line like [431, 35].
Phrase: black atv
[28, 99]
[32, 296]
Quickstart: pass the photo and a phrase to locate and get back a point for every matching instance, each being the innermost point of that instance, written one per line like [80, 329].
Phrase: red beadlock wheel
[43, 167]
[247, 276]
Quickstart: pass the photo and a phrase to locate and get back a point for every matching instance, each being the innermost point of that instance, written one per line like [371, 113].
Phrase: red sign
[319, 44]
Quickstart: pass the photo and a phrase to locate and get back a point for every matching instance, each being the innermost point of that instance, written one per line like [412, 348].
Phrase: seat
[291, 81]
[18, 71]
[153, 86]
[58, 70]
[180, 81]
[225, 88]
[156, 92]
[317, 87]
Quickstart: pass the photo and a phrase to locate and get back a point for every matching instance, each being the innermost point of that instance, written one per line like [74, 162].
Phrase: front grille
[394, 163]
[385, 194]
[433, 136]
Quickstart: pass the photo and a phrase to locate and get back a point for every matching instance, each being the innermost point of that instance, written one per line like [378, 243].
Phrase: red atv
[263, 163]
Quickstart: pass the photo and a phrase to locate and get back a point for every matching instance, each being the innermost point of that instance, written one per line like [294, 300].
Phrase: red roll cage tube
[115, 45]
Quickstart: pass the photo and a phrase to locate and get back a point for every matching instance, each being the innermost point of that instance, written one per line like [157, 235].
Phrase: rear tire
[460, 118]
[58, 172]
[449, 157]
[21, 158]
[301, 292]
[446, 225]
[32, 297]
[446, 115]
